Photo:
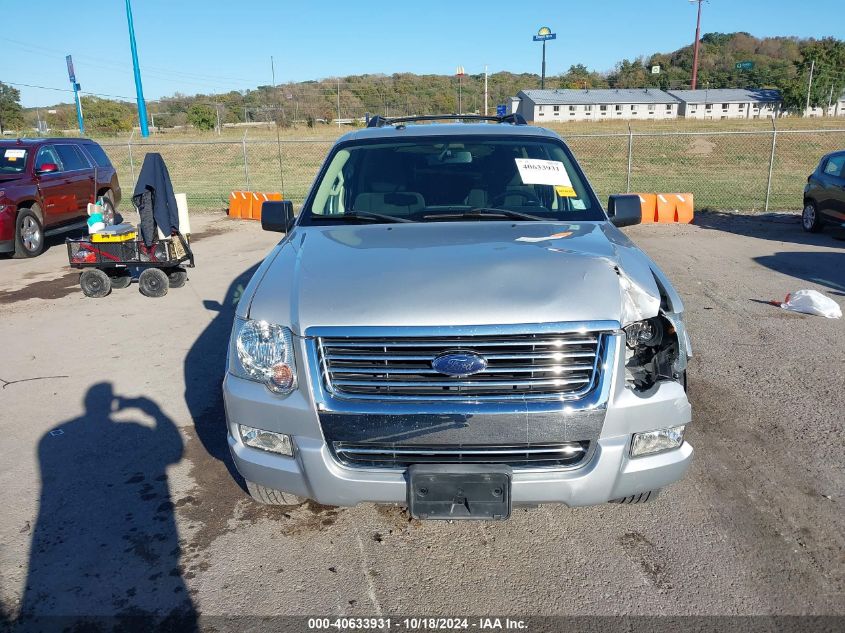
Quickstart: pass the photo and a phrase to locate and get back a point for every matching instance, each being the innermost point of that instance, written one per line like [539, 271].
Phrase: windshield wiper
[484, 212]
[360, 216]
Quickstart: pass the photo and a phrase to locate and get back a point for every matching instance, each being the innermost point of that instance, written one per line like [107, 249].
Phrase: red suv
[45, 187]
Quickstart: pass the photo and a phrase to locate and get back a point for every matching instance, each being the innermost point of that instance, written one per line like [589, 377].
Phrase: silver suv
[454, 323]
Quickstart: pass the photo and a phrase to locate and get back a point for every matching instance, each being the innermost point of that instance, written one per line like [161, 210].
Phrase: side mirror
[624, 209]
[47, 168]
[277, 215]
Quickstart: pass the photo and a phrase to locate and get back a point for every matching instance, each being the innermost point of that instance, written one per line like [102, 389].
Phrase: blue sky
[192, 46]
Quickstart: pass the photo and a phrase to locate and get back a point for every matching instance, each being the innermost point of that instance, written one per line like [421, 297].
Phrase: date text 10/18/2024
[417, 624]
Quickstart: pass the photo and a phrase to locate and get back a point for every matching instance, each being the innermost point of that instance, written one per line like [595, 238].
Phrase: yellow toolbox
[106, 237]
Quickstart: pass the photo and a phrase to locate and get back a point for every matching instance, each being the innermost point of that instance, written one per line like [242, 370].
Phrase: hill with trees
[779, 62]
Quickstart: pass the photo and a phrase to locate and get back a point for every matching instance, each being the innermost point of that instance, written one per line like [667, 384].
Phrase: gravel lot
[117, 497]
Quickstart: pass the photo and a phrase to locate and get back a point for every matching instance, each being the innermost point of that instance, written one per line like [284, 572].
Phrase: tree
[202, 117]
[107, 116]
[11, 112]
[827, 57]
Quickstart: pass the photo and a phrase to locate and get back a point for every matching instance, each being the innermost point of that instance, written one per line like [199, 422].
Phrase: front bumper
[610, 473]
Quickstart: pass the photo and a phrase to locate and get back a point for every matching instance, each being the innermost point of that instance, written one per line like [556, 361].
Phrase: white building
[594, 105]
[836, 108]
[728, 103]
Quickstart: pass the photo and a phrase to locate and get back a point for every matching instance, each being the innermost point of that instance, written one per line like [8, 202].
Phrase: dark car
[824, 194]
[45, 187]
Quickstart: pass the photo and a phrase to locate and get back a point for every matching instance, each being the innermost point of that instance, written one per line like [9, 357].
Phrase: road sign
[70, 74]
[744, 65]
[545, 33]
[655, 70]
[501, 110]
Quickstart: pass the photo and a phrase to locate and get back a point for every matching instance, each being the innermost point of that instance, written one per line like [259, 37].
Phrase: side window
[47, 154]
[834, 165]
[97, 154]
[72, 158]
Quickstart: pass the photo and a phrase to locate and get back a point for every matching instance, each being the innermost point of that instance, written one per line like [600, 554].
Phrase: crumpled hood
[466, 273]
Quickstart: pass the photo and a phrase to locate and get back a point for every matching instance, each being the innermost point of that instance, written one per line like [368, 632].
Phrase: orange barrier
[665, 208]
[238, 204]
[246, 205]
[648, 203]
[684, 208]
[259, 198]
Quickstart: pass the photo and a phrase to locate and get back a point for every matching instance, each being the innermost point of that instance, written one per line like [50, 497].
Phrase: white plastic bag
[811, 302]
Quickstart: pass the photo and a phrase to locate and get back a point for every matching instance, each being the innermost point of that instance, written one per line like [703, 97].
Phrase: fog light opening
[653, 442]
[266, 440]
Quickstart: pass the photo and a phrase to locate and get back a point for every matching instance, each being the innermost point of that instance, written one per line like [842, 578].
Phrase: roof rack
[380, 121]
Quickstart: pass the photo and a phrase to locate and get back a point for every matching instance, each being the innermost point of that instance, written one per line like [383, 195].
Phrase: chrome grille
[566, 455]
[534, 366]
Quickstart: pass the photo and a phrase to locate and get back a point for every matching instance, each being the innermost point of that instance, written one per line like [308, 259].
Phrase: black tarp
[160, 203]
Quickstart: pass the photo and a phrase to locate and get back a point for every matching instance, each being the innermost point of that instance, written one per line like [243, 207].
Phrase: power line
[94, 94]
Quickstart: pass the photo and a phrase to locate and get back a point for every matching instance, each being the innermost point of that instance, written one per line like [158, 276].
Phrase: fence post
[131, 162]
[246, 163]
[771, 163]
[630, 158]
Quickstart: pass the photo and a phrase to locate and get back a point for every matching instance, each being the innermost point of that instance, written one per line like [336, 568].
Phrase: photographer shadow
[105, 545]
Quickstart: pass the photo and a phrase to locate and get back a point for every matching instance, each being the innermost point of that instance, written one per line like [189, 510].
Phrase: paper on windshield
[15, 153]
[536, 171]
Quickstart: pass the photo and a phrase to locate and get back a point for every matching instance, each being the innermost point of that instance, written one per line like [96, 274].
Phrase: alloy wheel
[30, 234]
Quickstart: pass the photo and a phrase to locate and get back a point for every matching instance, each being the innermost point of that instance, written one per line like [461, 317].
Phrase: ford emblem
[459, 364]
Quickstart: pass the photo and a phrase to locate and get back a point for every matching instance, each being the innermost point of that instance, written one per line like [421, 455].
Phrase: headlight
[657, 441]
[648, 333]
[264, 353]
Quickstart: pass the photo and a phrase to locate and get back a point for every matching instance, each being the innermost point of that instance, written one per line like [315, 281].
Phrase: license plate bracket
[467, 491]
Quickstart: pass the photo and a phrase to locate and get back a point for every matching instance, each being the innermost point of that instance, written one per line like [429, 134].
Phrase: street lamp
[459, 71]
[545, 33]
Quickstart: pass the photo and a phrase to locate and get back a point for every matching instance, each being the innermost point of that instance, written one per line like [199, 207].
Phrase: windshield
[454, 178]
[12, 160]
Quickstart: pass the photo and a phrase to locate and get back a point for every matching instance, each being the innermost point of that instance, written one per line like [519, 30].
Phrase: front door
[57, 194]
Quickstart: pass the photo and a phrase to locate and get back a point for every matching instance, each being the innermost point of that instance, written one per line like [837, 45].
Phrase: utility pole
[338, 102]
[485, 89]
[139, 90]
[217, 110]
[695, 46]
[829, 101]
[809, 86]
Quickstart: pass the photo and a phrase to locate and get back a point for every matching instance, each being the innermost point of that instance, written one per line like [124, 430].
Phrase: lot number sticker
[15, 153]
[535, 171]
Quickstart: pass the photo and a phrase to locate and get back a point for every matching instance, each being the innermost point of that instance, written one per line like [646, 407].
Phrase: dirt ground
[119, 499]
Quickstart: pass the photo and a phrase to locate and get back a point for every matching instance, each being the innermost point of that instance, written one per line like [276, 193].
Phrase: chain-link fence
[747, 171]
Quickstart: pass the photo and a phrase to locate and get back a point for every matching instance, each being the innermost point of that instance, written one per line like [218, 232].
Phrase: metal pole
[278, 138]
[246, 163]
[771, 163]
[630, 158]
[695, 46]
[809, 86]
[543, 75]
[131, 162]
[139, 90]
[78, 109]
[485, 90]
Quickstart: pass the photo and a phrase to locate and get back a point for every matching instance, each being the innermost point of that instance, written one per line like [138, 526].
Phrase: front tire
[810, 221]
[94, 283]
[29, 234]
[271, 496]
[153, 283]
